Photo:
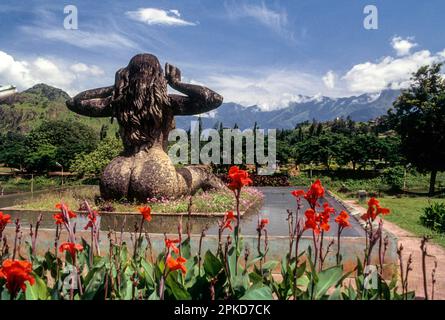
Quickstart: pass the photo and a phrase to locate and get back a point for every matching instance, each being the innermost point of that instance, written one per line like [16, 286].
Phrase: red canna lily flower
[16, 274]
[312, 221]
[298, 193]
[64, 207]
[176, 264]
[315, 192]
[263, 223]
[374, 210]
[238, 178]
[227, 222]
[146, 213]
[343, 220]
[170, 244]
[4, 220]
[58, 217]
[92, 218]
[325, 216]
[72, 248]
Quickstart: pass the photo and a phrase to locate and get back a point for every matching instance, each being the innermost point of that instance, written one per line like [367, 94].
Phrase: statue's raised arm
[197, 99]
[93, 103]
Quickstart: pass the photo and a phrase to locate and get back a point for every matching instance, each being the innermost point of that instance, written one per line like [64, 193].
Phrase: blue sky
[253, 52]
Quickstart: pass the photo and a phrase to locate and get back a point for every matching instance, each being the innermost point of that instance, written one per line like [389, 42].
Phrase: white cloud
[274, 20]
[80, 38]
[390, 72]
[329, 79]
[271, 89]
[153, 16]
[82, 68]
[268, 89]
[403, 46]
[26, 73]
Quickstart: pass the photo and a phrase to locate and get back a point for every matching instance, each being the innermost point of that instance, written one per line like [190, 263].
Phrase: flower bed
[78, 268]
[202, 202]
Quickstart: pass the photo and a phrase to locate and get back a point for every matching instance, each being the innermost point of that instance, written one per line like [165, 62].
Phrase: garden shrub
[393, 177]
[434, 217]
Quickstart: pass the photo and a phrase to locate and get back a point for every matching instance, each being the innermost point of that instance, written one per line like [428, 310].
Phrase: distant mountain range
[24, 110]
[359, 108]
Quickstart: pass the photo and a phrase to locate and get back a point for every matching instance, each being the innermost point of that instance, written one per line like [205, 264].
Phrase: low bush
[433, 217]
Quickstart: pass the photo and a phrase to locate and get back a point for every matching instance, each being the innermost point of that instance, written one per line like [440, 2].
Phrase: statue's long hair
[140, 101]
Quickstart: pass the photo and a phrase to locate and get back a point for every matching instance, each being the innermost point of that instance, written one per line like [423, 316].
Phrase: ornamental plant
[72, 270]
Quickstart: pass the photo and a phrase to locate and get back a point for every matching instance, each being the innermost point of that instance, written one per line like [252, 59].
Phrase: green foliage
[93, 163]
[123, 276]
[419, 118]
[13, 150]
[394, 177]
[340, 142]
[59, 141]
[28, 109]
[433, 217]
[42, 157]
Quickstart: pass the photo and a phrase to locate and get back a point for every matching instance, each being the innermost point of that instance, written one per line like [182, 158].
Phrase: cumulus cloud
[403, 46]
[390, 72]
[272, 89]
[26, 73]
[153, 16]
[329, 79]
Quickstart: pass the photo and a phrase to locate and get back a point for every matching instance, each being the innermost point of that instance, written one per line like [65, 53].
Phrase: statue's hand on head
[172, 74]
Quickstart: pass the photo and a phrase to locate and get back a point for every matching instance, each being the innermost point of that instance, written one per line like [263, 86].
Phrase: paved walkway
[411, 245]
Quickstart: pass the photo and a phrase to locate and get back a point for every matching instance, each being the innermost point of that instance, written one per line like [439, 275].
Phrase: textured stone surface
[145, 113]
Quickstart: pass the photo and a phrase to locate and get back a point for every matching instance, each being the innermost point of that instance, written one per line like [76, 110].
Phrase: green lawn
[349, 182]
[19, 184]
[405, 212]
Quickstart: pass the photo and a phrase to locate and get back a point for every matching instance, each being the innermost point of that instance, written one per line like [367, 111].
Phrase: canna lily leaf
[38, 291]
[258, 293]
[176, 289]
[327, 279]
[212, 265]
[95, 285]
[270, 265]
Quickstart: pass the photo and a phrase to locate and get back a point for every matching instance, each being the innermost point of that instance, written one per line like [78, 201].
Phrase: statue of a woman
[145, 113]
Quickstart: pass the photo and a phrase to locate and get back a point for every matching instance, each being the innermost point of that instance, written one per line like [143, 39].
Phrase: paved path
[411, 245]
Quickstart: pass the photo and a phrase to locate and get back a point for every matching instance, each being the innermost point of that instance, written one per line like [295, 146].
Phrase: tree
[93, 163]
[359, 149]
[42, 157]
[68, 138]
[317, 149]
[13, 150]
[418, 115]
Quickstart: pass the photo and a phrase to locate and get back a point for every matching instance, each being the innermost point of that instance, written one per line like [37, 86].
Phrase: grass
[203, 202]
[349, 182]
[20, 184]
[406, 212]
